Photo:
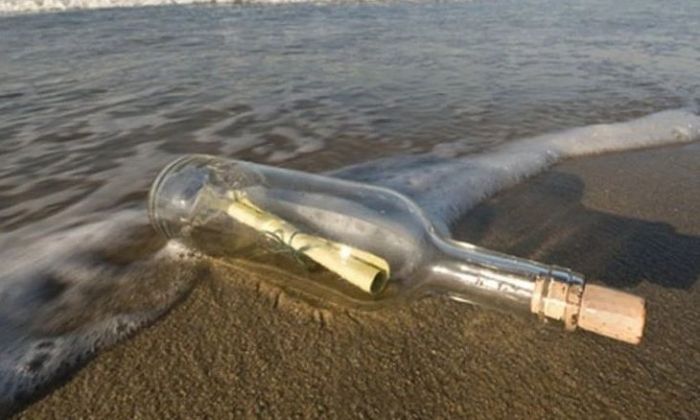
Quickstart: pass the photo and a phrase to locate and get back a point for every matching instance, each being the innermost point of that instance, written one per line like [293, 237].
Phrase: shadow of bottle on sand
[545, 220]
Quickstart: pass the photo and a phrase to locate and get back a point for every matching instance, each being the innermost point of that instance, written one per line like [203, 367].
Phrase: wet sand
[237, 348]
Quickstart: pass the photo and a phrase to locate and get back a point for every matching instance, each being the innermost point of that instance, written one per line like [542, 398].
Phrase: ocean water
[93, 103]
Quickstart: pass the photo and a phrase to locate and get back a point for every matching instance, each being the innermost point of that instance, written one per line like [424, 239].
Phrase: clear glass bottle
[363, 245]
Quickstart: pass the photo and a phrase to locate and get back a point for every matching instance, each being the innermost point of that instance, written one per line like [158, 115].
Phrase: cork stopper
[597, 309]
[612, 313]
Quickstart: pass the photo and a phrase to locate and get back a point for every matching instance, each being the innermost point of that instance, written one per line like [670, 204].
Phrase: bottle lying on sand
[363, 245]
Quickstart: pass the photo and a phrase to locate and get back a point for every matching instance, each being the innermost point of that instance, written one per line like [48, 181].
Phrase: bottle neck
[467, 273]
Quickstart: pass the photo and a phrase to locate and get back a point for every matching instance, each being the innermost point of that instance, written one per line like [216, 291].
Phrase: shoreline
[237, 347]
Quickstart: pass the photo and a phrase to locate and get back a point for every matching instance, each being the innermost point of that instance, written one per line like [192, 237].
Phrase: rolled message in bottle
[594, 308]
[362, 269]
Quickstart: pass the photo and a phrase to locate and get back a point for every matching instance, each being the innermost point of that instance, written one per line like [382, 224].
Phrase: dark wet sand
[237, 348]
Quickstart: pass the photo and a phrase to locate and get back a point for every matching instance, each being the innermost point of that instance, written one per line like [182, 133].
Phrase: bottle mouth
[158, 222]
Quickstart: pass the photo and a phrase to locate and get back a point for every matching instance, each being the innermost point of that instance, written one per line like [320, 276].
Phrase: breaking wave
[430, 179]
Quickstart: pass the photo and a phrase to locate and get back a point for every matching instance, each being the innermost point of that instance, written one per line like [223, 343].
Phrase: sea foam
[66, 293]
[34, 6]
[448, 185]
[69, 293]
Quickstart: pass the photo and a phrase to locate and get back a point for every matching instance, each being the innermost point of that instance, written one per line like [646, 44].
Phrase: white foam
[33, 6]
[447, 186]
[62, 299]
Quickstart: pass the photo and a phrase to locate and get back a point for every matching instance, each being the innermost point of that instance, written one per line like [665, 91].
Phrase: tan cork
[612, 313]
[597, 309]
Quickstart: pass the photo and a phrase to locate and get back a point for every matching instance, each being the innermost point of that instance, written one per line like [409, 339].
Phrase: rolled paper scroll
[360, 268]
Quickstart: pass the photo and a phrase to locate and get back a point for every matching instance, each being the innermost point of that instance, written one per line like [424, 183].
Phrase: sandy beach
[447, 102]
[239, 348]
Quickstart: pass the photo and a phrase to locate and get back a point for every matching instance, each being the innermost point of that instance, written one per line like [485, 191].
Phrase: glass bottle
[363, 245]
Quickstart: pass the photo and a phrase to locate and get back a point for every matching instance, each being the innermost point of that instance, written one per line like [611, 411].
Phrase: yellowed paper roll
[362, 269]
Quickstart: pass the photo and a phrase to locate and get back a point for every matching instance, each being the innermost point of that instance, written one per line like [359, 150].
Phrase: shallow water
[94, 103]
